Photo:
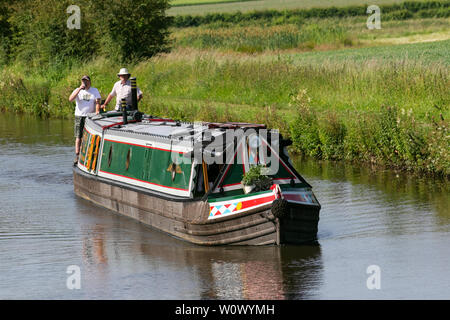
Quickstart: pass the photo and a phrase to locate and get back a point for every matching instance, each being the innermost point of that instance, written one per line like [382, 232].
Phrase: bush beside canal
[390, 136]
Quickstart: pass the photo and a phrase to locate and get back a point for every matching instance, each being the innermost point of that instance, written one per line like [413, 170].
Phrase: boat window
[110, 156]
[213, 171]
[84, 144]
[95, 155]
[127, 162]
[200, 190]
[255, 157]
[253, 143]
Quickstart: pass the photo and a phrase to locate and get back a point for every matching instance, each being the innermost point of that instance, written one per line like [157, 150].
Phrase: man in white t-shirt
[87, 101]
[122, 90]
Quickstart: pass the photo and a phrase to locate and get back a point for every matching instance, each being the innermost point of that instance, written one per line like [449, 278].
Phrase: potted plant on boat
[254, 180]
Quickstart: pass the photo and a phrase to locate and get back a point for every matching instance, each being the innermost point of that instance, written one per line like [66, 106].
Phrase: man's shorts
[79, 126]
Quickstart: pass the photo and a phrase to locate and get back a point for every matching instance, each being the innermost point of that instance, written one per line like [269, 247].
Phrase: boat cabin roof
[165, 128]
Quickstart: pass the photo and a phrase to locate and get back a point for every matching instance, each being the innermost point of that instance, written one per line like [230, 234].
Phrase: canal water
[396, 226]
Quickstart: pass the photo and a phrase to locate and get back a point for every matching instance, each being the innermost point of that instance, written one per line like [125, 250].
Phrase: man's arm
[108, 99]
[111, 95]
[75, 93]
[139, 94]
[97, 106]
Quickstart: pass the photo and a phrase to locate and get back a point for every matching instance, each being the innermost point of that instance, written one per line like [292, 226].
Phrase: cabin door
[147, 162]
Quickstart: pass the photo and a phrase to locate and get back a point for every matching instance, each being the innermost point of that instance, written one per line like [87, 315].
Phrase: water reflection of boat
[269, 272]
[287, 272]
[154, 170]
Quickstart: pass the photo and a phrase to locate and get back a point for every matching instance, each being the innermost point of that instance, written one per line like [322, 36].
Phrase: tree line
[35, 32]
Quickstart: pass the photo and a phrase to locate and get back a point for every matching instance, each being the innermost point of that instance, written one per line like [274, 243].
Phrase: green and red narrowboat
[144, 167]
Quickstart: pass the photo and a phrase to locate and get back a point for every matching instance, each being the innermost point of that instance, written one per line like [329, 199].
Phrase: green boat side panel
[144, 164]
[233, 175]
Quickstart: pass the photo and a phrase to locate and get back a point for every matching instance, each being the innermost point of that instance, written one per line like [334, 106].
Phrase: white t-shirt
[123, 91]
[85, 101]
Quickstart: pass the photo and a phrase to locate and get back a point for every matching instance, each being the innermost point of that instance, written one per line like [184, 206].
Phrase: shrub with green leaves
[254, 177]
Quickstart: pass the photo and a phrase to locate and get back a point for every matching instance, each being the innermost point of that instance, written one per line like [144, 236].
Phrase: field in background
[309, 35]
[245, 6]
[176, 3]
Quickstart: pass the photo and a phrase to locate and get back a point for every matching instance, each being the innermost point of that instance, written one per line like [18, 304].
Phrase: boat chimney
[123, 103]
[134, 102]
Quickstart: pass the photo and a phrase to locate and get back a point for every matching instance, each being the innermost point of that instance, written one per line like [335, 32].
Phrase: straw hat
[124, 72]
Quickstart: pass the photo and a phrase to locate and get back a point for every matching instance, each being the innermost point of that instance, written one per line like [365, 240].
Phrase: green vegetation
[339, 90]
[402, 11]
[268, 7]
[424, 53]
[383, 110]
[310, 34]
[37, 35]
[245, 6]
[254, 177]
[178, 3]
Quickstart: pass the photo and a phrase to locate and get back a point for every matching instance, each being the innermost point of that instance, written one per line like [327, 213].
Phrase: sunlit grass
[244, 6]
[175, 3]
[309, 35]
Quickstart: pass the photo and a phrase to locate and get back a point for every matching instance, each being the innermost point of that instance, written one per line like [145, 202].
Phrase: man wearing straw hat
[122, 90]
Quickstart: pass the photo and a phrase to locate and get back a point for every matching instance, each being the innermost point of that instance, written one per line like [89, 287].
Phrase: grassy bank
[382, 109]
[339, 90]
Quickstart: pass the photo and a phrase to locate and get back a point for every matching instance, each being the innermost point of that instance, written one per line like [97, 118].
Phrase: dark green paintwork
[146, 164]
[235, 173]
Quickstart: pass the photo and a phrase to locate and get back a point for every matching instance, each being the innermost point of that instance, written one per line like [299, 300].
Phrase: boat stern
[297, 211]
